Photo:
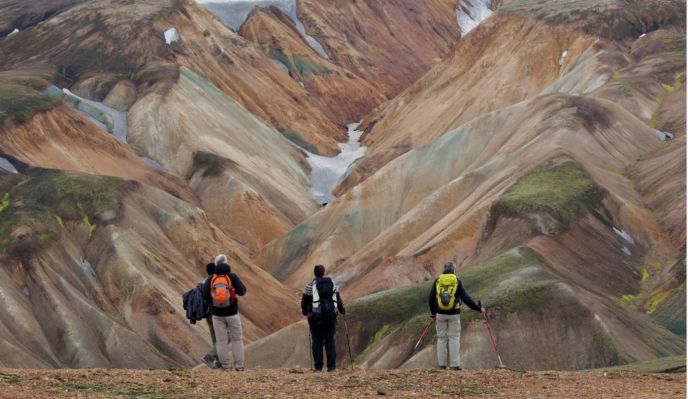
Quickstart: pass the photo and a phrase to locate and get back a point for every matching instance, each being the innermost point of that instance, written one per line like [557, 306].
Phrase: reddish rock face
[338, 92]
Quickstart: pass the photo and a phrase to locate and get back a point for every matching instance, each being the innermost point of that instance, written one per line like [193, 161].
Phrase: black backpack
[325, 303]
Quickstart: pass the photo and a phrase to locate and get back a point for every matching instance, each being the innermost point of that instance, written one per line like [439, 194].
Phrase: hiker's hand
[483, 310]
[432, 316]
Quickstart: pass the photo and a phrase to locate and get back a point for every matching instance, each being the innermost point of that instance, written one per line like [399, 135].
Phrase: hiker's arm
[238, 286]
[340, 304]
[431, 300]
[206, 290]
[465, 298]
[305, 304]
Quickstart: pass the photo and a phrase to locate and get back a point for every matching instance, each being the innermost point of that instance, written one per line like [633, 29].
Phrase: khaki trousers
[228, 329]
[448, 335]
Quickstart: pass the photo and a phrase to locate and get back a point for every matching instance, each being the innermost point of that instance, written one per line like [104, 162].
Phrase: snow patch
[114, 121]
[154, 163]
[622, 233]
[626, 251]
[562, 58]
[470, 13]
[86, 265]
[171, 36]
[328, 172]
[26, 292]
[7, 165]
[643, 35]
[15, 31]
[664, 136]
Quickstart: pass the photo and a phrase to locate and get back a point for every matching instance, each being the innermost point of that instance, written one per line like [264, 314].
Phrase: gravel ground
[187, 383]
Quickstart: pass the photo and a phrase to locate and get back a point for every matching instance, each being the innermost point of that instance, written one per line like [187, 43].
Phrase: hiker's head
[220, 259]
[449, 267]
[319, 270]
[210, 268]
[222, 269]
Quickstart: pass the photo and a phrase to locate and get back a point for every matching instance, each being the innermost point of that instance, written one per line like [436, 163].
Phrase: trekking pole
[346, 330]
[425, 332]
[494, 343]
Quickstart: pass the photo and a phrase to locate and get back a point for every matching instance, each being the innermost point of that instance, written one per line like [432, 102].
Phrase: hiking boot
[317, 370]
[331, 370]
[457, 368]
[238, 369]
[217, 364]
[442, 367]
[208, 361]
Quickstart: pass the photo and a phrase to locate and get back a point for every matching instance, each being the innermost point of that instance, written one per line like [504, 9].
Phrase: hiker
[321, 303]
[210, 359]
[444, 300]
[222, 290]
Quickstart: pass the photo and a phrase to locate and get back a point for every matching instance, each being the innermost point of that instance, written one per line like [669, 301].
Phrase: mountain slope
[94, 267]
[340, 94]
[98, 44]
[523, 50]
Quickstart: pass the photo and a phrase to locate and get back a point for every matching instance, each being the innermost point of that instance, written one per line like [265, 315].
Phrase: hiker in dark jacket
[446, 296]
[222, 290]
[210, 359]
[321, 302]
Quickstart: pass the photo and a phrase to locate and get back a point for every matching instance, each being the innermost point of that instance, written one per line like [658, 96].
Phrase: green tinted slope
[47, 199]
[559, 189]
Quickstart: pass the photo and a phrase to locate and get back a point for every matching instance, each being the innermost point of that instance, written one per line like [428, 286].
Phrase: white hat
[220, 259]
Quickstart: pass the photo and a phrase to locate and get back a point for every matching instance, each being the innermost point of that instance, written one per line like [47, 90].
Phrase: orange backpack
[221, 291]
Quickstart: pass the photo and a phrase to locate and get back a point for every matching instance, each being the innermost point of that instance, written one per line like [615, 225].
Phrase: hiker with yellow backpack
[221, 290]
[446, 296]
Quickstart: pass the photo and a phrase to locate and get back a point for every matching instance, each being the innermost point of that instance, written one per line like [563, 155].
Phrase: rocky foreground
[185, 383]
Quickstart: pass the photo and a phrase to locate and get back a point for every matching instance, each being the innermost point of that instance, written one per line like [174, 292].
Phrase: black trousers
[322, 334]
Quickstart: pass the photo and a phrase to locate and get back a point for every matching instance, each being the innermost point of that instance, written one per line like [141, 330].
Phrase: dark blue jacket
[196, 308]
[461, 295]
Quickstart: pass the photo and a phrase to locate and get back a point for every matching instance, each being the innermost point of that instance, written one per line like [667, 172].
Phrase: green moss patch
[615, 22]
[658, 365]
[559, 190]
[298, 65]
[296, 138]
[5, 202]
[21, 99]
[48, 199]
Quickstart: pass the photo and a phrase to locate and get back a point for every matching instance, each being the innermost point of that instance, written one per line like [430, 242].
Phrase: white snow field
[470, 13]
[328, 172]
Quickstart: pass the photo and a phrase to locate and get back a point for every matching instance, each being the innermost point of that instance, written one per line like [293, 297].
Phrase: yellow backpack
[446, 287]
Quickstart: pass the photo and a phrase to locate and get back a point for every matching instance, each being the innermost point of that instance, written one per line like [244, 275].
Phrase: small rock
[296, 371]
[381, 392]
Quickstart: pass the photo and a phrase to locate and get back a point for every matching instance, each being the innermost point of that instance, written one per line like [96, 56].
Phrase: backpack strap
[316, 294]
